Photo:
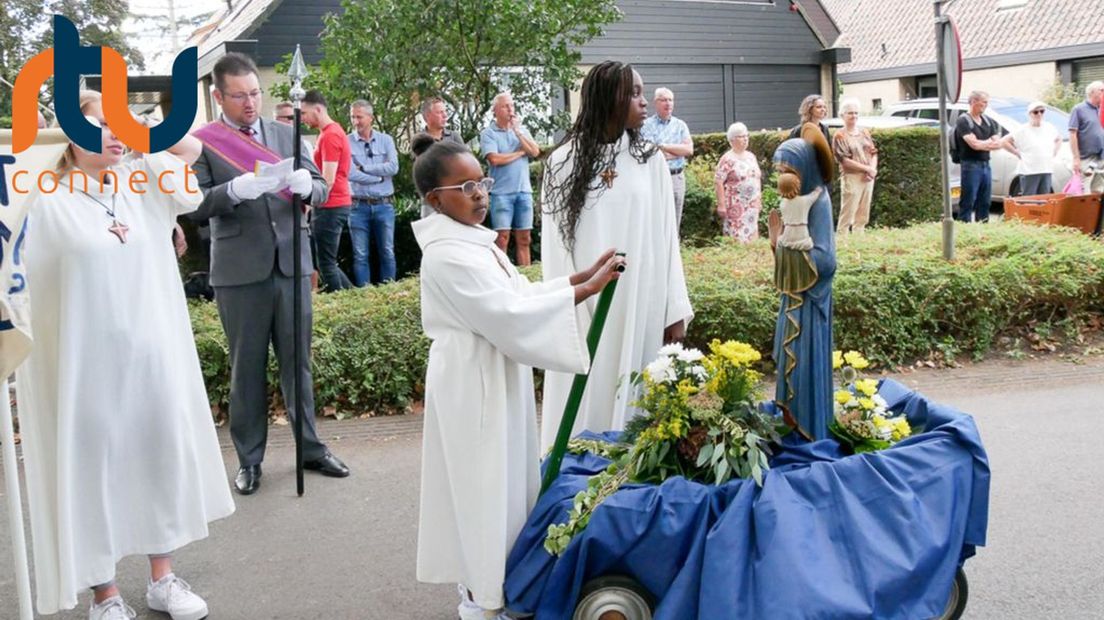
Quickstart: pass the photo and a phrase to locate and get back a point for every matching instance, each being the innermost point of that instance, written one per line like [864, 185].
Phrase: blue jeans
[1035, 184]
[512, 211]
[373, 222]
[327, 225]
[977, 190]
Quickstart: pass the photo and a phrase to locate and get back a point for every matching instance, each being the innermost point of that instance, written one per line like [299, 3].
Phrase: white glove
[300, 182]
[250, 186]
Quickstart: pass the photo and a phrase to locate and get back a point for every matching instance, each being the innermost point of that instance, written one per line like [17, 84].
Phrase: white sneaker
[174, 596]
[468, 610]
[111, 609]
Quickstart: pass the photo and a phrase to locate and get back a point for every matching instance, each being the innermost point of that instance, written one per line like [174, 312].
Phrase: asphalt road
[345, 551]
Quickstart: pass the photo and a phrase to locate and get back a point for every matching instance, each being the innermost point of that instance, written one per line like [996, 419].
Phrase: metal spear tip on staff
[297, 73]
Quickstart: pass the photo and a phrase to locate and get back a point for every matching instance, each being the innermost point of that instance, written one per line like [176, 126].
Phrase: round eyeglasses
[469, 187]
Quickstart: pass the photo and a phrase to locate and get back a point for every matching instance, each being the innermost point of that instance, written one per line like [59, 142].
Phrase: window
[932, 113]
[902, 113]
[876, 105]
[926, 87]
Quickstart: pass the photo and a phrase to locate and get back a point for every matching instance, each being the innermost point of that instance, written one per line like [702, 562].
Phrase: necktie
[248, 131]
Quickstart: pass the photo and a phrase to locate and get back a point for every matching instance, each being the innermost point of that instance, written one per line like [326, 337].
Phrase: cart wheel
[614, 597]
[956, 603]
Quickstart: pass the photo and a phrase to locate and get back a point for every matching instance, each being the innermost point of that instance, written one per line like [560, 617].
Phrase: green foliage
[26, 28]
[702, 422]
[369, 354]
[896, 299]
[906, 191]
[1063, 96]
[700, 224]
[397, 52]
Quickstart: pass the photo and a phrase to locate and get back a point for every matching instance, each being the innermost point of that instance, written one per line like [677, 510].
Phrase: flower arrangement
[701, 421]
[861, 420]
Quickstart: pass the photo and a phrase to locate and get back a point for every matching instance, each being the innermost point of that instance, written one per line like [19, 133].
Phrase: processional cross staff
[296, 73]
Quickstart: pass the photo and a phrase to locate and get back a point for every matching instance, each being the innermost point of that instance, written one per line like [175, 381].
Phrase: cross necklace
[117, 228]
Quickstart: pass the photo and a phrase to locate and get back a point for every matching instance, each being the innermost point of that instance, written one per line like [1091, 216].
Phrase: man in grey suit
[251, 264]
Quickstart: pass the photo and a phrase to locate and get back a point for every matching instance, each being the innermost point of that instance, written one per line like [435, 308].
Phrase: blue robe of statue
[803, 333]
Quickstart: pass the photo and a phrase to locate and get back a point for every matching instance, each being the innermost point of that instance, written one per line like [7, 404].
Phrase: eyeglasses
[368, 150]
[242, 97]
[1038, 111]
[469, 187]
[285, 117]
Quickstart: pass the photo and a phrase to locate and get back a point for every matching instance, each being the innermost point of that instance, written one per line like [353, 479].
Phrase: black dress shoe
[328, 465]
[248, 479]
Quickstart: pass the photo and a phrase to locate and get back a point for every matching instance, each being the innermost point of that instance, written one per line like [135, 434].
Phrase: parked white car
[1009, 113]
[882, 122]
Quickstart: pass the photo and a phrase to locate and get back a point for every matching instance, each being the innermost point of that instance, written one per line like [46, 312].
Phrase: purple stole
[242, 152]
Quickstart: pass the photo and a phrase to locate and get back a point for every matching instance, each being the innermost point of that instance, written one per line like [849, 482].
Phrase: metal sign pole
[948, 216]
[940, 80]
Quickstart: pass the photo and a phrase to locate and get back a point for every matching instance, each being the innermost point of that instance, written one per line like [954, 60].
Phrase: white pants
[855, 196]
[1092, 183]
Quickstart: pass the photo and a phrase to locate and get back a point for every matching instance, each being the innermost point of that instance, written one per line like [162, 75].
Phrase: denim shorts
[512, 211]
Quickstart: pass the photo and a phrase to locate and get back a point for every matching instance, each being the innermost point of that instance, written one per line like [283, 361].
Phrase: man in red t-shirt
[332, 156]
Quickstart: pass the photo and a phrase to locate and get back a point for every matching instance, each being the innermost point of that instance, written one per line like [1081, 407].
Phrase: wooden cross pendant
[608, 175]
[119, 229]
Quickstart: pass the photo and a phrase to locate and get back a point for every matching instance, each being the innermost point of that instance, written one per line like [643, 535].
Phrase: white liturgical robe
[636, 215]
[480, 461]
[121, 452]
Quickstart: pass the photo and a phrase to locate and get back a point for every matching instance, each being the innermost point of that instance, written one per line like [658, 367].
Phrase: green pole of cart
[575, 397]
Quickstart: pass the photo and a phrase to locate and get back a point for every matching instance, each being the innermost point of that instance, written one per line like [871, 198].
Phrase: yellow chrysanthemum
[737, 353]
[901, 428]
[867, 386]
[867, 404]
[843, 396]
[855, 360]
[879, 422]
[837, 359]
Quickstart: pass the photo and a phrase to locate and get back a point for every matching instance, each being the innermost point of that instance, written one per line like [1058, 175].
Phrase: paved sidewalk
[346, 550]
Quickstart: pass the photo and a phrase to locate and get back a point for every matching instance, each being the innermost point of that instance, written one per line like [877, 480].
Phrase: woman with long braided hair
[605, 186]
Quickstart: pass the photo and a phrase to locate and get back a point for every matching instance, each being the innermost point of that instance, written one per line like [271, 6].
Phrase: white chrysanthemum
[661, 370]
[879, 401]
[690, 355]
[670, 349]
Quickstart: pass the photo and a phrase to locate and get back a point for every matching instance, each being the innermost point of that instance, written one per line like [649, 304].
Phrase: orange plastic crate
[1081, 212]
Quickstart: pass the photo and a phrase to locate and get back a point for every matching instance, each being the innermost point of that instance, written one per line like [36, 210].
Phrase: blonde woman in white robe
[488, 325]
[121, 452]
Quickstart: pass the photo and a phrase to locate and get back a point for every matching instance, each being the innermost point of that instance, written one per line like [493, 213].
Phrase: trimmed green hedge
[896, 300]
[905, 193]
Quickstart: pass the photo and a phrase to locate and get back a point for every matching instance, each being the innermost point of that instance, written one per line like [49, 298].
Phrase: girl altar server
[488, 325]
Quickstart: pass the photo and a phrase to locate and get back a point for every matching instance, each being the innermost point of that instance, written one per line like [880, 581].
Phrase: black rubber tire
[602, 594]
[956, 600]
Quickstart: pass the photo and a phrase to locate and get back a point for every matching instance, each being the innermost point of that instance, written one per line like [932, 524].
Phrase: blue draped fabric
[875, 535]
[811, 379]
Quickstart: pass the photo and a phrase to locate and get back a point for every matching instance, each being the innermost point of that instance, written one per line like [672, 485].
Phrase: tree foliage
[1063, 96]
[397, 52]
[26, 28]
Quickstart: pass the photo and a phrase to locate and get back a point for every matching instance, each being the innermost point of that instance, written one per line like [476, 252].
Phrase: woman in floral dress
[737, 182]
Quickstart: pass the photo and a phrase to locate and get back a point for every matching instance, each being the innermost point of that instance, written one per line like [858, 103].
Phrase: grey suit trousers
[252, 316]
